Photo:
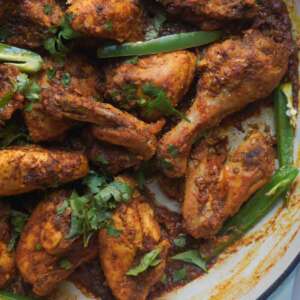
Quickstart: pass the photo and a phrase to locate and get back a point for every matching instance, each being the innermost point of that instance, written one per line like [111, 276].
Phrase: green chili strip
[163, 44]
[284, 129]
[25, 60]
[10, 296]
[251, 213]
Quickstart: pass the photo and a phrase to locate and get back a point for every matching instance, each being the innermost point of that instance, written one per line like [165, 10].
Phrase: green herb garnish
[149, 260]
[65, 264]
[108, 25]
[66, 79]
[48, 9]
[180, 241]
[180, 275]
[17, 221]
[192, 257]
[173, 151]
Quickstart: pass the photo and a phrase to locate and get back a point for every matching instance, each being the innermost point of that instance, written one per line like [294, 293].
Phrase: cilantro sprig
[55, 45]
[93, 210]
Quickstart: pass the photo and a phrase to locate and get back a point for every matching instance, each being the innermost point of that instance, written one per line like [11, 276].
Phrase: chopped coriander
[48, 9]
[152, 31]
[149, 260]
[180, 275]
[193, 257]
[166, 164]
[180, 241]
[102, 160]
[51, 73]
[66, 79]
[172, 150]
[108, 25]
[113, 231]
[65, 264]
[38, 247]
[62, 208]
[18, 221]
[129, 91]
[157, 100]
[164, 279]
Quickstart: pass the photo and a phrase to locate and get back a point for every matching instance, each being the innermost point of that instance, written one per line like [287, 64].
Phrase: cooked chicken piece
[114, 126]
[9, 100]
[76, 77]
[120, 20]
[139, 234]
[113, 158]
[172, 72]
[235, 73]
[28, 168]
[7, 258]
[45, 232]
[29, 21]
[172, 187]
[211, 14]
[216, 189]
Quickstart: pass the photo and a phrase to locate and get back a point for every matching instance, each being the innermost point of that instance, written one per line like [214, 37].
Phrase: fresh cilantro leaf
[108, 25]
[113, 231]
[51, 73]
[180, 275]
[149, 260]
[48, 9]
[132, 61]
[22, 83]
[65, 264]
[38, 247]
[62, 208]
[172, 150]
[4, 100]
[180, 241]
[66, 79]
[158, 101]
[152, 31]
[17, 221]
[192, 257]
[32, 92]
[164, 279]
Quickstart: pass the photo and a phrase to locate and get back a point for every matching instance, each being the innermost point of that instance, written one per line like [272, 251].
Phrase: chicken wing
[120, 20]
[139, 233]
[172, 72]
[77, 77]
[215, 189]
[235, 73]
[7, 258]
[29, 21]
[114, 126]
[10, 100]
[28, 168]
[211, 14]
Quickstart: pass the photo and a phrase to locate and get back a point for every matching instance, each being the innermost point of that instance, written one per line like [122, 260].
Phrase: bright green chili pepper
[25, 60]
[163, 44]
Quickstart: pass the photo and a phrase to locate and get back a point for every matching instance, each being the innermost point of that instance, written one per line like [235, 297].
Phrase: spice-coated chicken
[7, 257]
[113, 125]
[76, 77]
[120, 20]
[29, 21]
[172, 72]
[210, 14]
[217, 187]
[139, 234]
[235, 73]
[28, 168]
[44, 257]
[11, 99]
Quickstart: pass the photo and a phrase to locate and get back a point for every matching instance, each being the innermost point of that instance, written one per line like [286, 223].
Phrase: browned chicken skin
[140, 233]
[113, 125]
[215, 189]
[172, 72]
[235, 73]
[209, 14]
[120, 20]
[28, 168]
[29, 22]
[76, 77]
[7, 257]
[42, 247]
[8, 80]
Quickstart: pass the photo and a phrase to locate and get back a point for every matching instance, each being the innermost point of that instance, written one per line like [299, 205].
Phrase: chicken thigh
[235, 73]
[28, 168]
[172, 72]
[216, 188]
[120, 20]
[44, 256]
[139, 234]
